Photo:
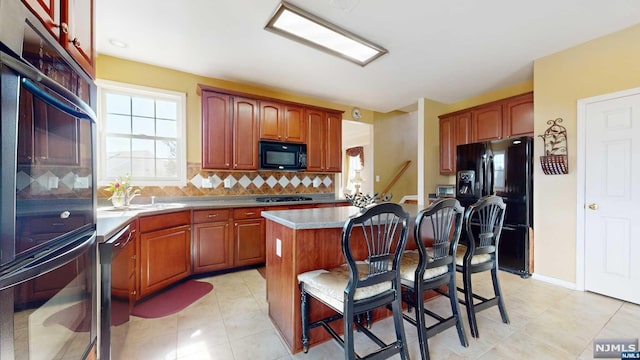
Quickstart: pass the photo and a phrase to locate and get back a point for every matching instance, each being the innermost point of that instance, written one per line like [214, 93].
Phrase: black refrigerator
[503, 168]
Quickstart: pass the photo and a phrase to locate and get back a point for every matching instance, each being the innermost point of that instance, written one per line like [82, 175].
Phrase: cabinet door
[487, 123]
[316, 140]
[211, 247]
[294, 126]
[216, 131]
[165, 257]
[518, 116]
[78, 39]
[462, 128]
[447, 145]
[49, 13]
[249, 241]
[245, 134]
[333, 144]
[270, 121]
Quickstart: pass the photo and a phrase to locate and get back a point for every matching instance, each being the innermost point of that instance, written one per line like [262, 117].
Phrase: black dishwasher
[117, 265]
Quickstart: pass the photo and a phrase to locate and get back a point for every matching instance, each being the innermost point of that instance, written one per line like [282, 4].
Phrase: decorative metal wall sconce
[554, 161]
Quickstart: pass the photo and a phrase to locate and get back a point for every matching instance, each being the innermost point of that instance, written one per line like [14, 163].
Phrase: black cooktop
[282, 198]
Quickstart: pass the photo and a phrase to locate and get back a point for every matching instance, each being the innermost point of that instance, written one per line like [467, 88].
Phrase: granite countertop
[321, 218]
[111, 220]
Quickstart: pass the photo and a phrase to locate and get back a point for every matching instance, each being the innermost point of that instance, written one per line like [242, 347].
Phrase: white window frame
[105, 86]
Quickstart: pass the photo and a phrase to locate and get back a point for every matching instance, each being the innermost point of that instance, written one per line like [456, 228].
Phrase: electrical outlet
[227, 183]
[81, 182]
[377, 178]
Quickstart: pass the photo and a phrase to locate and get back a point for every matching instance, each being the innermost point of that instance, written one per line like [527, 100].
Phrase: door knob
[593, 206]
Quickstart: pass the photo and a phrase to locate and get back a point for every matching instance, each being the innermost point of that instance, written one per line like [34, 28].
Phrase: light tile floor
[232, 323]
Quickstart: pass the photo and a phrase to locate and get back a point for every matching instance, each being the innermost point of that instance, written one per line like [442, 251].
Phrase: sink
[142, 207]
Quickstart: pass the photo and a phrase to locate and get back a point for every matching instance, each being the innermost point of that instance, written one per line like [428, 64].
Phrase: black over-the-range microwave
[282, 156]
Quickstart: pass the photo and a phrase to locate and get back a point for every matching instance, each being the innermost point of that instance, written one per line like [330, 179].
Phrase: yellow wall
[607, 64]
[395, 142]
[432, 177]
[117, 69]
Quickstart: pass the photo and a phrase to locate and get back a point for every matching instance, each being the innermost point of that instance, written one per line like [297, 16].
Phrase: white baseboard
[554, 281]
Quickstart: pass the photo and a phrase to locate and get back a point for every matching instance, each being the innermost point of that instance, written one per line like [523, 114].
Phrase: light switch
[278, 247]
[377, 178]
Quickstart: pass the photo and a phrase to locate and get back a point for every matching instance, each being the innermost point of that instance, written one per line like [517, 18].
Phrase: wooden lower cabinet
[165, 250]
[249, 241]
[211, 247]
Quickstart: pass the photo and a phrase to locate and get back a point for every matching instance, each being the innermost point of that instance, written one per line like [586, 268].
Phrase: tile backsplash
[207, 183]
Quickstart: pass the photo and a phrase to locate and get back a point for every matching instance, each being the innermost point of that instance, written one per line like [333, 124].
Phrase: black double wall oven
[48, 300]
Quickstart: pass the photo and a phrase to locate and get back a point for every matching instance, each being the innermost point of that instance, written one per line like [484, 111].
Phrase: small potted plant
[121, 191]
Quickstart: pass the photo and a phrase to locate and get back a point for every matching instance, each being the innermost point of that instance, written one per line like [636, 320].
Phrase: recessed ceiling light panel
[299, 25]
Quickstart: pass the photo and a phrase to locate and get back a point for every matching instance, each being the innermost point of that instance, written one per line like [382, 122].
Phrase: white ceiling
[446, 50]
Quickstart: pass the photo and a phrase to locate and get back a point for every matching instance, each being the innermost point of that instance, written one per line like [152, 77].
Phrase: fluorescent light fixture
[299, 25]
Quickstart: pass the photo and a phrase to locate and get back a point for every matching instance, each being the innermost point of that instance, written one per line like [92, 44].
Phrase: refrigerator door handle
[481, 177]
[490, 188]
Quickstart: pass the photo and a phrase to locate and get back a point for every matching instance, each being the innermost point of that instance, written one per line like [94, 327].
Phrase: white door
[612, 196]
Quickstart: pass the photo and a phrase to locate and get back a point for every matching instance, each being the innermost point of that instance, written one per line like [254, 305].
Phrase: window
[142, 134]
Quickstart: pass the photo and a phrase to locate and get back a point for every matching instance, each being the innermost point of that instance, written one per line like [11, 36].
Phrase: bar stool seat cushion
[328, 285]
[409, 264]
[476, 259]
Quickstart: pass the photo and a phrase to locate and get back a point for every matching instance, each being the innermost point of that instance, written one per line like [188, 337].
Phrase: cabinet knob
[75, 42]
[63, 27]
[134, 292]
[593, 206]
[235, 224]
[227, 164]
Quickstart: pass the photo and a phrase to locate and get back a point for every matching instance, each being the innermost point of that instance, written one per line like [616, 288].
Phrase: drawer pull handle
[212, 215]
[250, 213]
[57, 224]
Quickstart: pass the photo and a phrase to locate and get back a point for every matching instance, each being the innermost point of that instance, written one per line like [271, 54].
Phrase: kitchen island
[298, 241]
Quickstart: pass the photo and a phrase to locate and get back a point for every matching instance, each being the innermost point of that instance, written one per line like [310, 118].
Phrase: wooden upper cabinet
[48, 11]
[282, 122]
[518, 116]
[333, 158]
[486, 123]
[316, 141]
[454, 130]
[324, 141]
[71, 22]
[79, 39]
[245, 134]
[270, 119]
[216, 130]
[447, 145]
[294, 126]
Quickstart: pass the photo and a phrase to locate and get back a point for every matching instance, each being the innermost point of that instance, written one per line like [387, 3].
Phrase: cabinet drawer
[164, 221]
[247, 213]
[205, 216]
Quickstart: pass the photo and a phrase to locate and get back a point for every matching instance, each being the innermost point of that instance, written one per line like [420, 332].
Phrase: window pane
[118, 147]
[142, 167]
[143, 126]
[166, 168]
[142, 148]
[166, 110]
[142, 106]
[118, 104]
[166, 149]
[117, 166]
[118, 124]
[167, 128]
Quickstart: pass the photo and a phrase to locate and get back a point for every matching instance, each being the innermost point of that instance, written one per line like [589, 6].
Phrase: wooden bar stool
[372, 244]
[483, 225]
[434, 267]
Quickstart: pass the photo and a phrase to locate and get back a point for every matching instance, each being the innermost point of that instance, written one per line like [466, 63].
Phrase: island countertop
[321, 218]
